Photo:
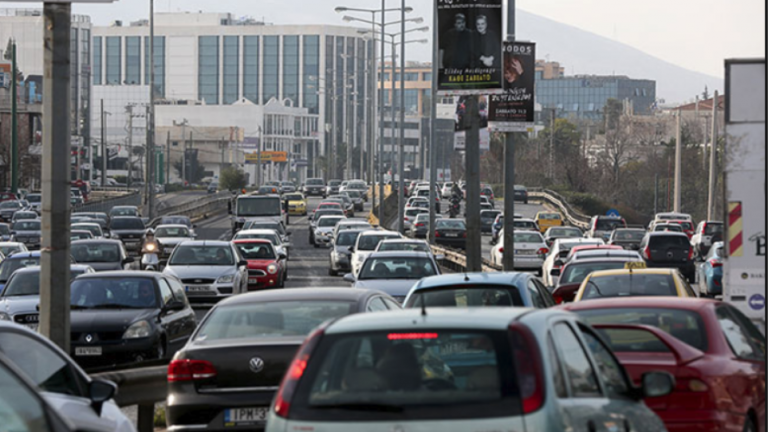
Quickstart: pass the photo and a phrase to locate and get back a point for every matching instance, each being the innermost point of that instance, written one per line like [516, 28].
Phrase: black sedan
[451, 232]
[228, 373]
[123, 317]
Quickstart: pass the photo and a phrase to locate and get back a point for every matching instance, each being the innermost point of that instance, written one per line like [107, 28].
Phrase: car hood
[324, 230]
[27, 233]
[260, 264]
[199, 272]
[393, 287]
[107, 320]
[19, 304]
[105, 266]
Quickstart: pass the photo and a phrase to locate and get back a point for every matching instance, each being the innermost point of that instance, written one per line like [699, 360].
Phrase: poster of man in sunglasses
[469, 43]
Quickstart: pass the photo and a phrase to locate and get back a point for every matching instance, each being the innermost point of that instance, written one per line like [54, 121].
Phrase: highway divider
[143, 386]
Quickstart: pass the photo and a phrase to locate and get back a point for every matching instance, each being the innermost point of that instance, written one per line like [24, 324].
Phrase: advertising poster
[463, 123]
[515, 107]
[470, 50]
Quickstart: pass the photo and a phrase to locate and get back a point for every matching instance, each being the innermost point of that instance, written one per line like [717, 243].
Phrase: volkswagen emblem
[256, 364]
[670, 254]
[88, 338]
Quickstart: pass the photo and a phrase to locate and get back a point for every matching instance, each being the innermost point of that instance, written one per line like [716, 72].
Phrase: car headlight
[4, 316]
[271, 269]
[318, 234]
[226, 279]
[137, 330]
[114, 236]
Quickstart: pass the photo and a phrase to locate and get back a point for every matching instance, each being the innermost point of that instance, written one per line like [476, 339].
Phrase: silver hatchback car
[473, 369]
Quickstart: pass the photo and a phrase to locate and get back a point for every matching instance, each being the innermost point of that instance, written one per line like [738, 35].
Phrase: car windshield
[489, 214]
[265, 190]
[422, 217]
[294, 197]
[377, 373]
[8, 266]
[328, 222]
[713, 228]
[80, 235]
[126, 224]
[90, 252]
[259, 236]
[113, 293]
[450, 224]
[256, 251]
[176, 220]
[397, 268]
[334, 182]
[633, 235]
[564, 233]
[685, 325]
[270, 319]
[528, 238]
[347, 238]
[255, 206]
[414, 212]
[608, 224]
[626, 285]
[7, 250]
[577, 272]
[404, 246]
[26, 225]
[28, 283]
[10, 205]
[34, 198]
[352, 193]
[202, 255]
[669, 241]
[467, 296]
[171, 232]
[369, 242]
[93, 229]
[123, 212]
[315, 182]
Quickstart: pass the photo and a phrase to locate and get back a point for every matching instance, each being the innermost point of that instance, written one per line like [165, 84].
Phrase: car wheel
[160, 354]
[332, 272]
[281, 283]
[749, 425]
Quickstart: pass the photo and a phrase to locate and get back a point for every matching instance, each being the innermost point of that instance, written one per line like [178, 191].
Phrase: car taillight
[690, 253]
[419, 225]
[282, 403]
[542, 251]
[556, 297]
[190, 370]
[464, 235]
[647, 252]
[715, 263]
[437, 234]
[528, 367]
[501, 250]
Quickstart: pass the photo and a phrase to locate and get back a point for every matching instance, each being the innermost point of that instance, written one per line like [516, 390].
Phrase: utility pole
[678, 162]
[552, 146]
[54, 256]
[474, 238]
[433, 131]
[508, 257]
[258, 161]
[168, 158]
[103, 148]
[14, 122]
[655, 194]
[129, 108]
[381, 121]
[150, 181]
[712, 161]
[401, 146]
[393, 104]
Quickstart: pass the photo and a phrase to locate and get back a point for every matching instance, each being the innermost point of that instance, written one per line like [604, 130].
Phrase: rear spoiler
[683, 352]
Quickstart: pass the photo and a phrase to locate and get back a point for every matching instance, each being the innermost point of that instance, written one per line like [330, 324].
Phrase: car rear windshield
[315, 182]
[609, 224]
[489, 214]
[34, 198]
[199, 255]
[682, 324]
[90, 252]
[633, 235]
[334, 182]
[528, 238]
[270, 319]
[126, 224]
[94, 229]
[713, 228]
[668, 227]
[256, 251]
[294, 197]
[259, 206]
[347, 238]
[577, 272]
[9, 266]
[5, 229]
[468, 296]
[669, 241]
[393, 375]
[564, 233]
[397, 268]
[525, 224]
[550, 216]
[113, 293]
[353, 193]
[450, 224]
[10, 205]
[369, 242]
[627, 285]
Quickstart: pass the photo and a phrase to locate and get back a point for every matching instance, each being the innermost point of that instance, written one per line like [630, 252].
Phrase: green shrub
[160, 417]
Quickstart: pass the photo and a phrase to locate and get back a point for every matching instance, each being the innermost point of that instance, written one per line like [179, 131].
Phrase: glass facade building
[291, 69]
[114, 60]
[133, 60]
[271, 67]
[208, 69]
[159, 63]
[251, 68]
[231, 69]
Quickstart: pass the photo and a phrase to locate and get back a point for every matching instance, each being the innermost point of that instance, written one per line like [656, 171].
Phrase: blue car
[479, 290]
[711, 272]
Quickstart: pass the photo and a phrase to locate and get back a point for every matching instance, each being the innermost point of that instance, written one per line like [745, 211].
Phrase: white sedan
[530, 250]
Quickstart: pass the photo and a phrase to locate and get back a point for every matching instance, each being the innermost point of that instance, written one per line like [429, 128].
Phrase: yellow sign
[266, 156]
[634, 265]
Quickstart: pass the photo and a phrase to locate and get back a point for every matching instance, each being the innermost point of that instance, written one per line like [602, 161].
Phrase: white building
[215, 61]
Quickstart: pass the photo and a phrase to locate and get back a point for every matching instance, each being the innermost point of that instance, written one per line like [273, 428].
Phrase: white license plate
[525, 252]
[245, 416]
[451, 235]
[253, 281]
[88, 351]
[32, 327]
[197, 288]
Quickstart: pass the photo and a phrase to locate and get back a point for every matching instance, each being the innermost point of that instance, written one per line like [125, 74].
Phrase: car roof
[576, 240]
[403, 240]
[97, 241]
[331, 217]
[206, 243]
[259, 231]
[120, 274]
[400, 254]
[341, 294]
[85, 224]
[603, 259]
[24, 254]
[242, 241]
[667, 233]
[470, 279]
[435, 318]
[626, 272]
[687, 303]
[36, 269]
[171, 226]
[114, 218]
[378, 232]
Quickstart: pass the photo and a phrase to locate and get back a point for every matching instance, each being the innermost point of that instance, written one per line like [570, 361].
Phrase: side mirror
[128, 260]
[174, 306]
[100, 391]
[656, 384]
[242, 263]
[349, 277]
[106, 235]
[282, 256]
[555, 272]
[351, 249]
[559, 263]
[287, 233]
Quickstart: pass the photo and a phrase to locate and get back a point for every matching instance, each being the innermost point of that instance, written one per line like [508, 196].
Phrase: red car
[266, 268]
[715, 353]
[687, 226]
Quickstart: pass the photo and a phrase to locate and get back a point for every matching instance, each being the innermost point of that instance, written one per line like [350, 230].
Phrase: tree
[232, 178]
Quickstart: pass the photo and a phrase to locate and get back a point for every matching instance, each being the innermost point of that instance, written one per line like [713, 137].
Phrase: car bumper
[118, 352]
[322, 240]
[256, 283]
[188, 410]
[341, 264]
[297, 211]
[528, 262]
[212, 292]
[459, 243]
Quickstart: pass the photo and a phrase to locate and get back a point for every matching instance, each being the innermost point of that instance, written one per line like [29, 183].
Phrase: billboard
[266, 156]
[516, 105]
[469, 44]
[463, 123]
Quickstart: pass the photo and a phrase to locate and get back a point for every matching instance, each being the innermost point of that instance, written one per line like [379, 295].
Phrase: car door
[187, 318]
[62, 384]
[242, 270]
[169, 320]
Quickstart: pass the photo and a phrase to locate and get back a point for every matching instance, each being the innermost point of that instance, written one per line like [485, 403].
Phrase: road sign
[757, 302]
[612, 213]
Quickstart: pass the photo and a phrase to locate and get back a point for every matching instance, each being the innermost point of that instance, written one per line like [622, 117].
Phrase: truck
[744, 188]
[246, 206]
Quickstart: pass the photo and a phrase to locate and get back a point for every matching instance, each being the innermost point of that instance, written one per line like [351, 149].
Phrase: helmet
[149, 232]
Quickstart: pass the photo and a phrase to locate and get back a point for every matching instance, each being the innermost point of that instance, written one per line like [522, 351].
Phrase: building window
[114, 59]
[159, 63]
[411, 76]
[311, 54]
[426, 76]
[251, 68]
[271, 67]
[231, 69]
[97, 74]
[208, 72]
[133, 60]
[291, 68]
[411, 102]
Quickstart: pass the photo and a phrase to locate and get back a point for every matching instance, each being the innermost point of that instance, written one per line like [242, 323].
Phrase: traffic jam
[613, 328]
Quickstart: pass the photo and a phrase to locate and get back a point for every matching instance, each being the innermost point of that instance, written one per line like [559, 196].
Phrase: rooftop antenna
[466, 277]
[423, 305]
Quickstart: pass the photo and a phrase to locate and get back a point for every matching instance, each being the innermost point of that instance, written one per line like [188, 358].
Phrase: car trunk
[668, 249]
[237, 366]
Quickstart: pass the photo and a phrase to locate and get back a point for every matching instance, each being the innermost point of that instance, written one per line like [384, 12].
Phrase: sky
[694, 34]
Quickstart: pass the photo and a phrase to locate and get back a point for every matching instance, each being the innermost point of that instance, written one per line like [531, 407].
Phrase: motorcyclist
[150, 245]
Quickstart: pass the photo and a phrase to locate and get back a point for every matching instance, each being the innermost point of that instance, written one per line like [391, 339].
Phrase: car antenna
[466, 277]
[423, 306]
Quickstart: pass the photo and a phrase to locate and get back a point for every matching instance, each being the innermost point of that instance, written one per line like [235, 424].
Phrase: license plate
[451, 235]
[245, 416]
[88, 351]
[32, 327]
[524, 252]
[253, 281]
[197, 288]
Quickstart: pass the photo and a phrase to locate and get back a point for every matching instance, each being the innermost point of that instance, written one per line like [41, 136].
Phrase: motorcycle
[455, 208]
[149, 255]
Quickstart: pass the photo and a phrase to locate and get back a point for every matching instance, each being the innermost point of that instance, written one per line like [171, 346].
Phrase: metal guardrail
[103, 206]
[143, 387]
[197, 208]
[573, 216]
[456, 260]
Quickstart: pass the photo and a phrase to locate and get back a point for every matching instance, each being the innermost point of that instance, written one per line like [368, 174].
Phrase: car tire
[281, 284]
[332, 272]
[749, 425]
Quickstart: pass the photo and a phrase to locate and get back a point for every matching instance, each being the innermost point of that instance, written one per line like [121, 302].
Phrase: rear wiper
[362, 406]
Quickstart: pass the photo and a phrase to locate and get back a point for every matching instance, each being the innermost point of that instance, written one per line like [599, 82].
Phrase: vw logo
[670, 254]
[88, 338]
[256, 364]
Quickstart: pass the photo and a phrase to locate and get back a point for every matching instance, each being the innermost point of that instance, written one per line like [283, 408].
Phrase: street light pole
[400, 161]
[508, 257]
[381, 122]
[150, 182]
[433, 131]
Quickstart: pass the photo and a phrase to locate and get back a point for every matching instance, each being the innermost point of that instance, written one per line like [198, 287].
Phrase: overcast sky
[694, 34]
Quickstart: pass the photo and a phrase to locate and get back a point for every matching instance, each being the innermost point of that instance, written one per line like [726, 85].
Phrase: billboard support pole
[508, 257]
[712, 161]
[472, 207]
[432, 130]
